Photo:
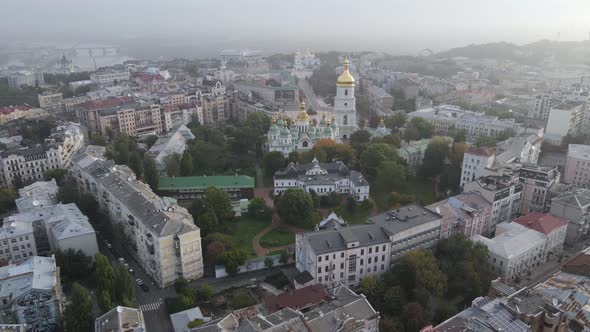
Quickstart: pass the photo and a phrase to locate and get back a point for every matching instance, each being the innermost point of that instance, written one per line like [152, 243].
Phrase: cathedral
[301, 133]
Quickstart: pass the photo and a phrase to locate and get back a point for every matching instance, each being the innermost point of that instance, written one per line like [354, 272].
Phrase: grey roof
[515, 240]
[334, 171]
[35, 273]
[181, 319]
[170, 144]
[577, 198]
[579, 151]
[120, 319]
[38, 194]
[69, 222]
[337, 239]
[406, 217]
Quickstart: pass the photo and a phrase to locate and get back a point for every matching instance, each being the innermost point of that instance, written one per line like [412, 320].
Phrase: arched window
[304, 144]
[345, 120]
[345, 104]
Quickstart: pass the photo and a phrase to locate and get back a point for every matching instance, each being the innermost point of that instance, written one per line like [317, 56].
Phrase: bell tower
[345, 103]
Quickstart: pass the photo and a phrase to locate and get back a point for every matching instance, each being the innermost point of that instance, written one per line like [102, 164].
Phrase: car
[121, 260]
[130, 270]
[126, 265]
[139, 282]
[144, 287]
[110, 246]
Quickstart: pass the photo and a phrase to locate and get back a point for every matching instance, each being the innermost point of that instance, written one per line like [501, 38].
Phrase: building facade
[552, 227]
[475, 162]
[577, 166]
[574, 206]
[468, 214]
[565, 119]
[537, 181]
[188, 188]
[108, 76]
[345, 103]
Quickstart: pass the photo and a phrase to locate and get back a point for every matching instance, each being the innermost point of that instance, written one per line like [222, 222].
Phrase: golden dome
[345, 79]
[302, 115]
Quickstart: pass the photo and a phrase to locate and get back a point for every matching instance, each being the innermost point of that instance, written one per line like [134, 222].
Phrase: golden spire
[302, 115]
[328, 123]
[345, 79]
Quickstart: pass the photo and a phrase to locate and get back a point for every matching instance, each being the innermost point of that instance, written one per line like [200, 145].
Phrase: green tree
[425, 271]
[207, 221]
[232, 259]
[393, 300]
[257, 209]
[373, 289]
[272, 162]
[186, 164]
[414, 317]
[73, 265]
[123, 286]
[7, 197]
[173, 165]
[418, 128]
[293, 157]
[359, 140]
[204, 293]
[219, 202]
[57, 173]
[105, 278]
[77, 315]
[151, 174]
[136, 164]
[295, 207]
[395, 121]
[372, 158]
[434, 157]
[390, 176]
[268, 262]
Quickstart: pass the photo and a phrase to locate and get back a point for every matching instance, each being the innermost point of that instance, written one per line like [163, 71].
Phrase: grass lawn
[358, 217]
[276, 238]
[243, 231]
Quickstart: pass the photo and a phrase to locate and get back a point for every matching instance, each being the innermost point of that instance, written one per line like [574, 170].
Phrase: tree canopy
[295, 207]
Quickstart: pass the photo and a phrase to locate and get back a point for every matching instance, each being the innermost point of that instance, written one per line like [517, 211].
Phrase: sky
[396, 26]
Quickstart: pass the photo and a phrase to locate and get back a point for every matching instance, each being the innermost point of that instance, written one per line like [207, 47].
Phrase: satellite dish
[36, 203]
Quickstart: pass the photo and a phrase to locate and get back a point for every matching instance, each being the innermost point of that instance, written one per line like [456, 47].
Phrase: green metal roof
[219, 181]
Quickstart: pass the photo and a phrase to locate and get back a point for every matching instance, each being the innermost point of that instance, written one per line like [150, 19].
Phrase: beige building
[50, 100]
[160, 234]
[214, 109]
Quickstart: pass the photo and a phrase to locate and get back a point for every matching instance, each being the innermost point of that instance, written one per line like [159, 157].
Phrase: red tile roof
[481, 151]
[297, 299]
[148, 78]
[10, 109]
[541, 222]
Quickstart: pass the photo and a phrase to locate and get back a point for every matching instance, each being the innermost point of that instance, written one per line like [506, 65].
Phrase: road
[152, 302]
[311, 100]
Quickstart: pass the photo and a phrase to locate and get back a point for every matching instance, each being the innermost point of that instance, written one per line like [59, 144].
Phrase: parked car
[144, 287]
[139, 282]
[131, 271]
[121, 260]
[126, 265]
[110, 246]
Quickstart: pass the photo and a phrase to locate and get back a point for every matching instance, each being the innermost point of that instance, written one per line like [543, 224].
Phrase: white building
[304, 60]
[345, 103]
[345, 255]
[300, 134]
[30, 163]
[109, 76]
[514, 251]
[573, 206]
[38, 194]
[565, 119]
[162, 236]
[176, 115]
[120, 319]
[577, 166]
[24, 78]
[31, 293]
[543, 103]
[323, 179]
[475, 162]
[170, 145]
[553, 228]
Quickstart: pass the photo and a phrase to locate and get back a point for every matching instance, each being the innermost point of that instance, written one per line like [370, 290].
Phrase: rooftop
[541, 222]
[578, 151]
[325, 241]
[483, 152]
[514, 241]
[35, 273]
[406, 217]
[298, 299]
[120, 319]
[204, 182]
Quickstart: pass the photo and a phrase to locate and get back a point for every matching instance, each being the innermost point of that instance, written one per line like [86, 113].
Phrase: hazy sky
[392, 25]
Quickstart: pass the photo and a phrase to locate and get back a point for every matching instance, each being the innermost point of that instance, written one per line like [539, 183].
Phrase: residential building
[552, 227]
[176, 115]
[504, 192]
[468, 214]
[51, 101]
[345, 102]
[30, 163]
[515, 250]
[188, 188]
[31, 293]
[132, 119]
[345, 255]
[410, 227]
[17, 242]
[475, 162]
[88, 111]
[544, 102]
[25, 78]
[323, 179]
[121, 319]
[162, 236]
[300, 134]
[577, 166]
[246, 62]
[10, 113]
[214, 109]
[286, 94]
[536, 180]
[36, 195]
[573, 206]
[180, 320]
[379, 99]
[565, 119]
[108, 76]
[170, 145]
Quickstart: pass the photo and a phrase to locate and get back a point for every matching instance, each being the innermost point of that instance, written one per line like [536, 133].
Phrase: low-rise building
[467, 214]
[108, 76]
[188, 188]
[50, 101]
[162, 236]
[514, 251]
[120, 319]
[10, 113]
[574, 206]
[31, 293]
[170, 145]
[323, 179]
[552, 227]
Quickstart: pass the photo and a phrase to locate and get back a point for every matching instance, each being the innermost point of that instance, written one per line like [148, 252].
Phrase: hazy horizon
[188, 27]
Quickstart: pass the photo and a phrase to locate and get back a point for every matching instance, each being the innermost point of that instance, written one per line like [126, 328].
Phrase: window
[376, 249]
[382, 267]
[320, 259]
[346, 92]
[362, 261]
[370, 250]
[369, 262]
[383, 258]
[375, 268]
[319, 279]
[351, 278]
[341, 275]
[383, 247]
[341, 256]
[320, 269]
[342, 266]
[352, 263]
[327, 257]
[362, 251]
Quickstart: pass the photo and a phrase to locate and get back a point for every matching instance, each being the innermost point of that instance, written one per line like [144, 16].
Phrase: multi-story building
[573, 206]
[17, 241]
[345, 102]
[379, 99]
[25, 78]
[345, 255]
[552, 227]
[30, 163]
[475, 162]
[467, 213]
[38, 194]
[323, 179]
[161, 235]
[565, 119]
[536, 182]
[514, 251]
[577, 166]
[180, 114]
[214, 109]
[504, 192]
[410, 227]
[187, 188]
[168, 146]
[31, 293]
[108, 76]
[50, 101]
[121, 319]
[474, 124]
[543, 103]
[283, 95]
[132, 120]
[10, 113]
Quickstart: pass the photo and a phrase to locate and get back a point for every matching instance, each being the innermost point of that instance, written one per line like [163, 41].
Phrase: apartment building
[345, 255]
[214, 109]
[552, 227]
[31, 293]
[468, 214]
[10, 113]
[565, 119]
[379, 99]
[544, 102]
[162, 236]
[51, 101]
[108, 76]
[132, 120]
[573, 206]
[504, 192]
[475, 162]
[536, 181]
[29, 164]
[180, 114]
[577, 166]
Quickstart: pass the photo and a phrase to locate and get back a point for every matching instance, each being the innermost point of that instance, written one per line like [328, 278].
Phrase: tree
[395, 121]
[195, 323]
[373, 156]
[215, 250]
[123, 286]
[232, 260]
[485, 142]
[351, 205]
[136, 164]
[434, 157]
[295, 207]
[390, 176]
[73, 265]
[414, 317]
[272, 162]
[56, 173]
[186, 164]
[105, 278]
[373, 288]
[207, 221]
[425, 271]
[257, 209]
[97, 139]
[418, 128]
[173, 165]
[78, 314]
[293, 157]
[204, 293]
[387, 325]
[268, 262]
[219, 202]
[284, 259]
[359, 140]
[7, 197]
[151, 174]
[393, 300]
